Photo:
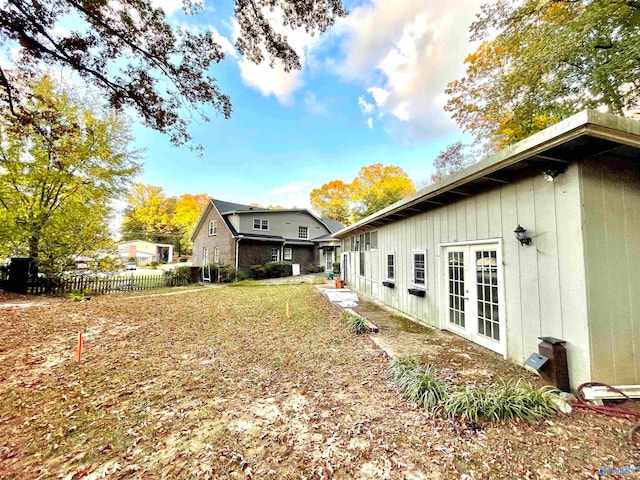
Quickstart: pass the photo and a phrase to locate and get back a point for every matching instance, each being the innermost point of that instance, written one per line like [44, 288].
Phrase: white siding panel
[545, 242]
[511, 259]
[544, 285]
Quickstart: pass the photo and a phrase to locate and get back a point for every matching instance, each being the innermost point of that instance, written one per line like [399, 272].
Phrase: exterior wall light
[551, 172]
[521, 235]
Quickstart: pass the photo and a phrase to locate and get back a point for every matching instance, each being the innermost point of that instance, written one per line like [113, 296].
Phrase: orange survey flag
[80, 346]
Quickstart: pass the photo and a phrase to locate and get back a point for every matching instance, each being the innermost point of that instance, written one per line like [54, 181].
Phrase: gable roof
[589, 132]
[228, 208]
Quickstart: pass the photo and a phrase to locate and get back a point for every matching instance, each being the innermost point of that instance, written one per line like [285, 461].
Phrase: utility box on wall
[556, 370]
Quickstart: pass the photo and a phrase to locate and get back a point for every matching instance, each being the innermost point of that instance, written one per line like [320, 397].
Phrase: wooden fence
[90, 285]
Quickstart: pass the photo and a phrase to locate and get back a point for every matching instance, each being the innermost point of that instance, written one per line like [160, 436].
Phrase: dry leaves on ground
[219, 383]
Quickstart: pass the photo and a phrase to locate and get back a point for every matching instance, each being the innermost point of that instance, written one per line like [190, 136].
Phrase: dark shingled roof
[224, 207]
[332, 225]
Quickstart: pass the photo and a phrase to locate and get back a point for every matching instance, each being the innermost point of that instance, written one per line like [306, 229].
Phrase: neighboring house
[448, 256]
[145, 252]
[243, 235]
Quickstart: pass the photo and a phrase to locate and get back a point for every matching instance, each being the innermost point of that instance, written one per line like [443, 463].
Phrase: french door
[472, 294]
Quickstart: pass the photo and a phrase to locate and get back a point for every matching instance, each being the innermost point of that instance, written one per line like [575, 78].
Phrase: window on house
[420, 268]
[303, 232]
[216, 255]
[259, 224]
[391, 266]
[213, 228]
[275, 254]
[366, 238]
[374, 240]
[288, 253]
[362, 262]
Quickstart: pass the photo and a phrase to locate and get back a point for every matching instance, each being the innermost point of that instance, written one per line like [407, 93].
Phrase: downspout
[284, 242]
[238, 251]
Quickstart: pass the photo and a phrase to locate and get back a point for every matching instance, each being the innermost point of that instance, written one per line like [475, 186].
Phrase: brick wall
[223, 240]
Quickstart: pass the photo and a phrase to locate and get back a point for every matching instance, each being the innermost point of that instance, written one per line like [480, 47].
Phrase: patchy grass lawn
[219, 383]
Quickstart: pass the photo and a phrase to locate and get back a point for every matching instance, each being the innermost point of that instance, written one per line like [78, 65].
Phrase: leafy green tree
[58, 174]
[129, 50]
[549, 60]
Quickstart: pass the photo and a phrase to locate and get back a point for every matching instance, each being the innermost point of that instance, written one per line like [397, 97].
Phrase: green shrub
[336, 267]
[506, 401]
[277, 269]
[154, 264]
[355, 322]
[178, 276]
[257, 272]
[418, 383]
[311, 268]
[228, 274]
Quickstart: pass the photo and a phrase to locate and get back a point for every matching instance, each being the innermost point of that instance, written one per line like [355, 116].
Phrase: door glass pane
[487, 278]
[456, 288]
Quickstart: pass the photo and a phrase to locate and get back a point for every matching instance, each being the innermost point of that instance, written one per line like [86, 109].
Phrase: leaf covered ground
[221, 383]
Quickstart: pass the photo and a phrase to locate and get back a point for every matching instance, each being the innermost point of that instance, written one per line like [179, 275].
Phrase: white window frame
[422, 286]
[300, 230]
[275, 254]
[288, 253]
[386, 266]
[213, 228]
[261, 224]
[216, 255]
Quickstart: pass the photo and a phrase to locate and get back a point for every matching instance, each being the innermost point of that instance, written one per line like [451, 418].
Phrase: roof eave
[588, 122]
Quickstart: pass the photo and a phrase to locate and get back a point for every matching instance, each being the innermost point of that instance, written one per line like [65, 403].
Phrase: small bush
[257, 272]
[506, 401]
[154, 264]
[418, 383]
[336, 267]
[355, 322]
[278, 269]
[230, 274]
[179, 276]
[311, 268]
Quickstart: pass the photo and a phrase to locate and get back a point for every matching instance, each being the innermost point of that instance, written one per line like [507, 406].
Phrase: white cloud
[169, 6]
[225, 43]
[380, 95]
[293, 187]
[404, 54]
[274, 80]
[366, 108]
[370, 122]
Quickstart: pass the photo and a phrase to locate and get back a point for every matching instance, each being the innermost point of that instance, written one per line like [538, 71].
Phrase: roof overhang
[588, 133]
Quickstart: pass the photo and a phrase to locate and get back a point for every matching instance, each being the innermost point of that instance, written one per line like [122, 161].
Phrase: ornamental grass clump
[356, 323]
[507, 401]
[419, 383]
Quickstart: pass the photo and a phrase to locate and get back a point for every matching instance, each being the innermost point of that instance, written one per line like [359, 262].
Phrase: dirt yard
[221, 383]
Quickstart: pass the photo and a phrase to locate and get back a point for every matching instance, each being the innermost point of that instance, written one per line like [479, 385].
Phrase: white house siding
[611, 208]
[544, 286]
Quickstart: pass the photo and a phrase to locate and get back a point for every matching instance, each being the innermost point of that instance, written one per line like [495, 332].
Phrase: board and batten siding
[611, 210]
[544, 283]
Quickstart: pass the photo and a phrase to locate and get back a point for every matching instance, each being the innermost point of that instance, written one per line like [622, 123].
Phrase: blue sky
[370, 91]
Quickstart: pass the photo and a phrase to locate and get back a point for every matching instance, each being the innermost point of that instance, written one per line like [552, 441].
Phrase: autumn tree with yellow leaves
[374, 188]
[549, 60]
[153, 216]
